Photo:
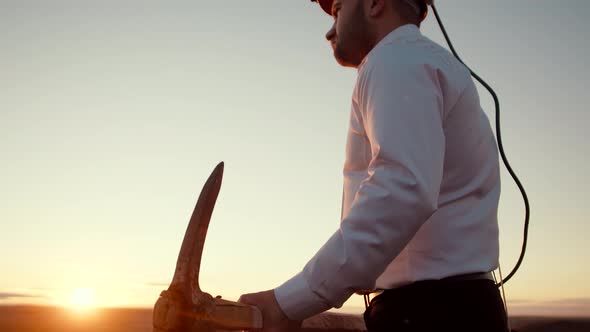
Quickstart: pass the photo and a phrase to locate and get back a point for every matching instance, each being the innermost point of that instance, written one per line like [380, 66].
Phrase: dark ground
[50, 319]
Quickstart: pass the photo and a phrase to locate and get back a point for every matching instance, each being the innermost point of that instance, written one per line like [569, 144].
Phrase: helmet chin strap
[525, 198]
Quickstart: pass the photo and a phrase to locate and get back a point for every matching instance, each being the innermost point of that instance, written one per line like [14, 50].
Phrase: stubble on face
[350, 35]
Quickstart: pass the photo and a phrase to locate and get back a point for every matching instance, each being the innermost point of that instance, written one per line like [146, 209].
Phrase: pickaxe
[184, 307]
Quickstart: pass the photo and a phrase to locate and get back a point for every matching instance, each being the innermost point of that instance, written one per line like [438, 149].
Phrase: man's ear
[376, 7]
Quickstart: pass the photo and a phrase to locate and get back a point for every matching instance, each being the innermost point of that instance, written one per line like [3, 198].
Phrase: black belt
[470, 276]
[456, 278]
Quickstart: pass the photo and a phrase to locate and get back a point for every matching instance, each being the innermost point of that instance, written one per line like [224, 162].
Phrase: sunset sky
[114, 113]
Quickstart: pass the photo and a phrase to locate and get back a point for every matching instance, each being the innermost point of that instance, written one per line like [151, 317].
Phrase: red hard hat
[327, 6]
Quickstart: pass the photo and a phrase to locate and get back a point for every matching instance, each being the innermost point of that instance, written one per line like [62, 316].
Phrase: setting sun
[82, 299]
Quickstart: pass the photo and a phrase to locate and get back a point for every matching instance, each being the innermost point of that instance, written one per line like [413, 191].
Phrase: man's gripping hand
[273, 317]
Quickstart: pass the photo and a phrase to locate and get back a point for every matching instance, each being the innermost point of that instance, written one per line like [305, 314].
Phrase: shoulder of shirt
[404, 53]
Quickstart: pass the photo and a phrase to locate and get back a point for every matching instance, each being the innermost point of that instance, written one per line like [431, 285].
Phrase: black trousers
[438, 305]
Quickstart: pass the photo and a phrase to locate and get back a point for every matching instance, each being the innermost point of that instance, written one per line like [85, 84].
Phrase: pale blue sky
[113, 114]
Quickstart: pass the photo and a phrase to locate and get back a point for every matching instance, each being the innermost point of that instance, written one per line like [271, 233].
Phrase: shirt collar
[398, 33]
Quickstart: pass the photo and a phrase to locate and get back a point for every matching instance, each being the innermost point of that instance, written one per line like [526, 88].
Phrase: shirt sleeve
[402, 110]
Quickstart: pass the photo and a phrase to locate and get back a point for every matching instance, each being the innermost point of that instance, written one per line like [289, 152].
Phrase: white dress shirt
[421, 180]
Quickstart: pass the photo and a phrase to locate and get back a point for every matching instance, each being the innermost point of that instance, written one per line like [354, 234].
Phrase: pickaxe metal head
[184, 307]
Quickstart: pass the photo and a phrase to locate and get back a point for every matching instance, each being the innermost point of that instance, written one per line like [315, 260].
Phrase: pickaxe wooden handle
[185, 308]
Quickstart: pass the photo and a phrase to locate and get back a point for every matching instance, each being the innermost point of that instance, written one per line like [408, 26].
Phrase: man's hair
[412, 10]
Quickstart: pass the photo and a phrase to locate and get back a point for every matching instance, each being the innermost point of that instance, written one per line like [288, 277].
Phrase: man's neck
[385, 29]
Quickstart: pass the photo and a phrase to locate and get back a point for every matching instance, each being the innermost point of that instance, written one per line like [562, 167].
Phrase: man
[421, 187]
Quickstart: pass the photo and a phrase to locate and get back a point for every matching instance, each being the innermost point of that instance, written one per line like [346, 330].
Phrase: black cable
[500, 147]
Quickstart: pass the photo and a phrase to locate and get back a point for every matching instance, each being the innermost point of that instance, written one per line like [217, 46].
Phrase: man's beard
[354, 42]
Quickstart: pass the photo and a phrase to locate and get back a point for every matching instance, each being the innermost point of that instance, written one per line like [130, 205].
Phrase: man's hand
[273, 318]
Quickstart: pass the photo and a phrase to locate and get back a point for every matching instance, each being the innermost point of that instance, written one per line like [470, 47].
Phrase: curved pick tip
[218, 169]
[188, 264]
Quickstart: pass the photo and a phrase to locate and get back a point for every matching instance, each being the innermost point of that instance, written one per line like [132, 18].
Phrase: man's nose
[331, 33]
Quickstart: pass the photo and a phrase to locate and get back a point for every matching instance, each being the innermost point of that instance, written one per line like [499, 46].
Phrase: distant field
[49, 319]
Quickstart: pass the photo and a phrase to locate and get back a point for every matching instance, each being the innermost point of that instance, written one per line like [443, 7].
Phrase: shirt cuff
[297, 300]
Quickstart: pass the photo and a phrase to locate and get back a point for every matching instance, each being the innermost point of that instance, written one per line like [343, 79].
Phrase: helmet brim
[327, 7]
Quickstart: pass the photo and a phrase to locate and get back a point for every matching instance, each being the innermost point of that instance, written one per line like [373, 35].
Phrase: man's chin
[345, 61]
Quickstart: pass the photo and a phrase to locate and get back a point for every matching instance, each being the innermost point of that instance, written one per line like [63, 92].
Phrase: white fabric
[421, 180]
